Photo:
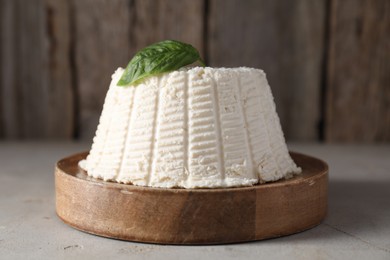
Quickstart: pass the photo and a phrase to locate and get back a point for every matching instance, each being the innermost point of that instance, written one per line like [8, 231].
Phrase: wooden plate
[192, 216]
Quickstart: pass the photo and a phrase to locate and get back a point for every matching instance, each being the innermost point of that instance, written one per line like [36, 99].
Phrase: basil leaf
[158, 58]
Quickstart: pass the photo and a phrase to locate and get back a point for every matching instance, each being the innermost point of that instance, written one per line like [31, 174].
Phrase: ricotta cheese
[192, 128]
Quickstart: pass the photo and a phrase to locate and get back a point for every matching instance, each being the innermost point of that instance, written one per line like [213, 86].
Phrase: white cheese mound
[192, 128]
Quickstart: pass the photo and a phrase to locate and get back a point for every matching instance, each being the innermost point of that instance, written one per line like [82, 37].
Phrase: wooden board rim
[72, 185]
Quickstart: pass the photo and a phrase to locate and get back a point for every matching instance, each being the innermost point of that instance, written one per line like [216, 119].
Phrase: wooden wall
[327, 61]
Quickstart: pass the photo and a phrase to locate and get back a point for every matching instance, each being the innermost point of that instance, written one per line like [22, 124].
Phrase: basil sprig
[158, 58]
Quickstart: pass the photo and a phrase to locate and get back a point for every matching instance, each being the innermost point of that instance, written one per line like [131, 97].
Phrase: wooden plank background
[327, 61]
[358, 78]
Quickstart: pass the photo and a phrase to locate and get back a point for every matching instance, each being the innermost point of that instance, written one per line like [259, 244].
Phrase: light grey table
[357, 225]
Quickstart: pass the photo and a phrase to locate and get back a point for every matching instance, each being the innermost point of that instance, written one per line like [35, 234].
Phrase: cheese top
[192, 128]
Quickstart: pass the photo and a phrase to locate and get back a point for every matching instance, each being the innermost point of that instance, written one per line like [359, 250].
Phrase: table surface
[357, 225]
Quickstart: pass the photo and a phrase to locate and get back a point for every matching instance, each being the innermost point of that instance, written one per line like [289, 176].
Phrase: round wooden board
[192, 216]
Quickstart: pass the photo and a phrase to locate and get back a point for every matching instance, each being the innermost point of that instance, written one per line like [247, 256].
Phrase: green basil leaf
[158, 58]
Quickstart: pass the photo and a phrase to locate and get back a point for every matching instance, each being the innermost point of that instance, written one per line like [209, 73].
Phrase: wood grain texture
[102, 40]
[61, 92]
[358, 94]
[12, 125]
[157, 20]
[285, 39]
[192, 216]
[35, 73]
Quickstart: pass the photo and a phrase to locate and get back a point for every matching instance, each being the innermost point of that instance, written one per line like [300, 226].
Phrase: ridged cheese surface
[192, 128]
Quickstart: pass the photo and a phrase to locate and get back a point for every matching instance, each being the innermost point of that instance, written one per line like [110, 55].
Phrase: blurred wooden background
[327, 61]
